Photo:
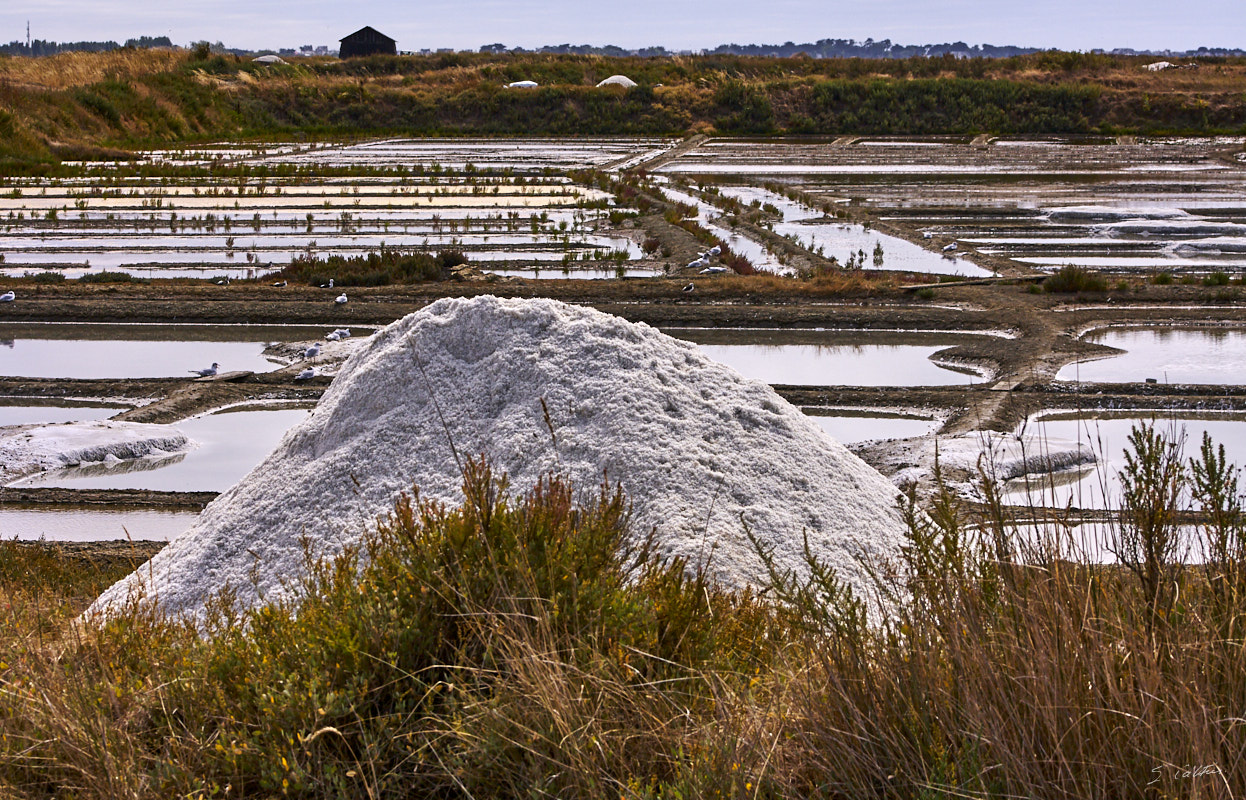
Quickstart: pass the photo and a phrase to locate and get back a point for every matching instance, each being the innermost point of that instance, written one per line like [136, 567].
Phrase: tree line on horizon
[42, 47]
[823, 48]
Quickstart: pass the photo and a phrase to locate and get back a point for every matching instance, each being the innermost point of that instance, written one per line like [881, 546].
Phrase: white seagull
[340, 299]
[713, 270]
[280, 284]
[716, 250]
[7, 297]
[343, 333]
[206, 373]
[701, 262]
[949, 248]
[333, 337]
[222, 282]
[306, 374]
[312, 351]
[328, 285]
[927, 235]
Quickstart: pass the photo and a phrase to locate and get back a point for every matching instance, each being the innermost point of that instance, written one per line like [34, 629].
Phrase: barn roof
[366, 29]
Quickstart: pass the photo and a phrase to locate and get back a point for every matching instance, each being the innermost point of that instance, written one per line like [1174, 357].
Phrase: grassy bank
[534, 646]
[79, 105]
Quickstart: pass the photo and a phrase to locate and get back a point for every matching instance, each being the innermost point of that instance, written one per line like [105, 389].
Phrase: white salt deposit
[700, 450]
[618, 80]
[1109, 214]
[27, 449]
[960, 457]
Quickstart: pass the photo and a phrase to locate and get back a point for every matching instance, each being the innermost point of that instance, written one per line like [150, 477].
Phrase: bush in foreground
[533, 646]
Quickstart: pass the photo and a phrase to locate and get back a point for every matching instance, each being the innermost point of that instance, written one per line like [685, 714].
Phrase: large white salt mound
[700, 450]
[27, 449]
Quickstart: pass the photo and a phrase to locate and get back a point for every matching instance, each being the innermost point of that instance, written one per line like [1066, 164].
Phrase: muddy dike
[112, 499]
[725, 301]
[101, 555]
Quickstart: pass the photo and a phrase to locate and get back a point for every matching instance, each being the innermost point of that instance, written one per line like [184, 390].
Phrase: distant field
[81, 105]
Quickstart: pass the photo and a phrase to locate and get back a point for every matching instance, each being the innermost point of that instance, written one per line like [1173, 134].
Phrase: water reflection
[1168, 355]
[832, 358]
[81, 525]
[43, 415]
[139, 351]
[228, 446]
[848, 427]
[1107, 435]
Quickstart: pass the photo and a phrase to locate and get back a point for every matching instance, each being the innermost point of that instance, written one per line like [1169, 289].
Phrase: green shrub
[106, 277]
[1216, 279]
[382, 268]
[475, 651]
[1071, 278]
[45, 277]
[1162, 279]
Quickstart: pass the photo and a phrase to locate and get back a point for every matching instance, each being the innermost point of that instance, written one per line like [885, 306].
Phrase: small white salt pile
[700, 450]
[28, 449]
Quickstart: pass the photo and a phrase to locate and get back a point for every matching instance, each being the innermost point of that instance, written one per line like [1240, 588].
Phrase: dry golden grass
[68, 70]
[829, 283]
[507, 649]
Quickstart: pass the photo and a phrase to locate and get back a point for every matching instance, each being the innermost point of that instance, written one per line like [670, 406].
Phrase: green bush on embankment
[388, 266]
[518, 647]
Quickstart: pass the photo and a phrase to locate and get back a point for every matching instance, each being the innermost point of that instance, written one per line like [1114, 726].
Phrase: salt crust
[28, 449]
[700, 450]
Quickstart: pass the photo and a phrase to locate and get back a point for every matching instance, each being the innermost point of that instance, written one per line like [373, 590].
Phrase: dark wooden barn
[367, 41]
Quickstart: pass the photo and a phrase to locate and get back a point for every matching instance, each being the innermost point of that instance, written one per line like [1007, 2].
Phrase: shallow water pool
[42, 415]
[831, 358]
[1107, 435]
[87, 351]
[230, 444]
[81, 525]
[1169, 355]
[848, 427]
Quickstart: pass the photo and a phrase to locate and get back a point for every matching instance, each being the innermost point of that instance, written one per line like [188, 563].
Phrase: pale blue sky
[675, 24]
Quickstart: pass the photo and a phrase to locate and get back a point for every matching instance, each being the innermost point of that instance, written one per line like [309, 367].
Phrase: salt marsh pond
[139, 351]
[92, 525]
[1148, 206]
[1107, 435]
[229, 444]
[1137, 206]
[834, 358]
[1168, 355]
[538, 209]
